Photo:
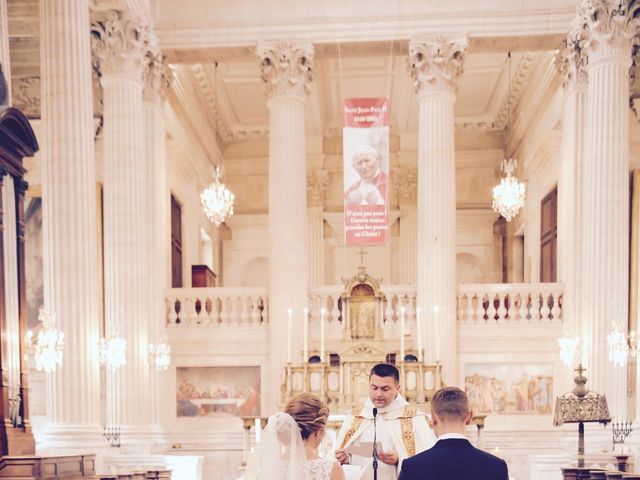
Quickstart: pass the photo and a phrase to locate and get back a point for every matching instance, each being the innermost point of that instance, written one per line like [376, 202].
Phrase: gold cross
[362, 253]
[580, 369]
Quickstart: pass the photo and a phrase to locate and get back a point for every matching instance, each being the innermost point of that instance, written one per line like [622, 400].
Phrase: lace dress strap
[320, 468]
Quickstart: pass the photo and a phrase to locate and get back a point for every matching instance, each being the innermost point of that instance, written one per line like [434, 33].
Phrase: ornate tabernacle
[341, 378]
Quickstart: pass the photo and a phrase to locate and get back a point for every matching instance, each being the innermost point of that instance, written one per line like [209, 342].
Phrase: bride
[290, 443]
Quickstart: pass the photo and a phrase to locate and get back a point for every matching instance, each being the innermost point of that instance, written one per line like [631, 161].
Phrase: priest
[401, 430]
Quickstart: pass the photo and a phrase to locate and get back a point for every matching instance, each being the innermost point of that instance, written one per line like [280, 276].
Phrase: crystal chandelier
[113, 352]
[160, 355]
[568, 349]
[217, 200]
[509, 195]
[618, 346]
[49, 344]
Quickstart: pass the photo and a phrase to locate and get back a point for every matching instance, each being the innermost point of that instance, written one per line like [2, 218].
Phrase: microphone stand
[374, 453]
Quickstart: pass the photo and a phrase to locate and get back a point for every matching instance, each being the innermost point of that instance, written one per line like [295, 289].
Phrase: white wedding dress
[282, 453]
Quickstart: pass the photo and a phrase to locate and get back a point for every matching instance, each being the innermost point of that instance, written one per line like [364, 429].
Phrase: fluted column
[286, 70]
[604, 192]
[317, 182]
[4, 46]
[434, 66]
[571, 65]
[405, 181]
[156, 77]
[121, 45]
[70, 259]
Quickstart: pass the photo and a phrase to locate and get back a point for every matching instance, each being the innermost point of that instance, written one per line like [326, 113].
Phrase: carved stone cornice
[156, 75]
[405, 182]
[286, 68]
[223, 130]
[120, 44]
[518, 83]
[571, 59]
[317, 183]
[610, 25]
[436, 62]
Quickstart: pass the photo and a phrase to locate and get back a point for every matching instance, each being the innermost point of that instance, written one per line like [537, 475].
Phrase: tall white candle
[419, 334]
[306, 336]
[436, 324]
[402, 334]
[289, 334]
[258, 430]
[323, 311]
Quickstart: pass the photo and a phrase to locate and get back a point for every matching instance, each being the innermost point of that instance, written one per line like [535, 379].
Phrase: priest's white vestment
[401, 428]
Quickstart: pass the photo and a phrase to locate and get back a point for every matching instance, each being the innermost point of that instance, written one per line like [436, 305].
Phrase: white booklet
[363, 449]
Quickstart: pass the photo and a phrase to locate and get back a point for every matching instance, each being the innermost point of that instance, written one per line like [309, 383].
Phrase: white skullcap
[365, 150]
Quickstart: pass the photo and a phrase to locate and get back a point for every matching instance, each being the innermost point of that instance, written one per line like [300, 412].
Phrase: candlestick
[402, 334]
[306, 335]
[289, 334]
[258, 430]
[419, 334]
[322, 313]
[436, 322]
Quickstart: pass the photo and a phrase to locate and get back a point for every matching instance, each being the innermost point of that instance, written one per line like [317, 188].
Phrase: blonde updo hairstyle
[309, 412]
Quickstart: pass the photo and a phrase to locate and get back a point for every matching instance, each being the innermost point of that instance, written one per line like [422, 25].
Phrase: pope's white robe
[390, 419]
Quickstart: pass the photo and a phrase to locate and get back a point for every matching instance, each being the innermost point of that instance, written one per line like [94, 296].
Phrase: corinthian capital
[405, 182]
[120, 43]
[436, 62]
[317, 183]
[285, 68]
[611, 27]
[156, 75]
[571, 59]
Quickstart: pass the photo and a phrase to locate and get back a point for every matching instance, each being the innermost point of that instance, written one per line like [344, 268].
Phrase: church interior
[178, 260]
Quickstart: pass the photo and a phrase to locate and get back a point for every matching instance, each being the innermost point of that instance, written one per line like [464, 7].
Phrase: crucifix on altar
[361, 253]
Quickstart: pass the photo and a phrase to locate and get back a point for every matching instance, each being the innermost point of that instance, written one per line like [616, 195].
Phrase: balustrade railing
[217, 306]
[510, 303]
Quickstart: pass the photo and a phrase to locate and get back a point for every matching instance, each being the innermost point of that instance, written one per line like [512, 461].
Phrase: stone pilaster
[287, 71]
[434, 65]
[571, 65]
[604, 191]
[405, 182]
[317, 182]
[156, 77]
[69, 223]
[121, 49]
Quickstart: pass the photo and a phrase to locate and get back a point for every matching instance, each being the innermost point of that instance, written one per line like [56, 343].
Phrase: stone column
[604, 192]
[156, 77]
[5, 61]
[69, 223]
[121, 46]
[287, 70]
[435, 64]
[405, 180]
[571, 65]
[317, 182]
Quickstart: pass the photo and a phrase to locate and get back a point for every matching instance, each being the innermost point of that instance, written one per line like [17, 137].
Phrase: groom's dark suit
[454, 459]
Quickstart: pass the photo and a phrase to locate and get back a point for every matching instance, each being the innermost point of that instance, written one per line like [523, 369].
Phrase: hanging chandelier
[509, 195]
[618, 345]
[217, 200]
[49, 344]
[568, 349]
[113, 352]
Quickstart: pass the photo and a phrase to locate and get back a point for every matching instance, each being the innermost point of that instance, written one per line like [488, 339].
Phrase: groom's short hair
[450, 404]
[385, 370]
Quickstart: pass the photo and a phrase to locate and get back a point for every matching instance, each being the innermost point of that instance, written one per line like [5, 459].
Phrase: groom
[401, 429]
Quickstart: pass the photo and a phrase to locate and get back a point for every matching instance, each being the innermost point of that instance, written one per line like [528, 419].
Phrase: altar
[340, 376]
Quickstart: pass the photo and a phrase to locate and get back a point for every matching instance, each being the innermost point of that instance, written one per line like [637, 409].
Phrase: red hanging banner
[366, 171]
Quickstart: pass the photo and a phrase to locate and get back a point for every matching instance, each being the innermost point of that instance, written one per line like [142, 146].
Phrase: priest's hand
[342, 456]
[390, 458]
